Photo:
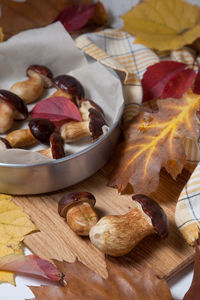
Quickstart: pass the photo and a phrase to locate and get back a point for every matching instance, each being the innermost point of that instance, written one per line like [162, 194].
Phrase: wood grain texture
[56, 240]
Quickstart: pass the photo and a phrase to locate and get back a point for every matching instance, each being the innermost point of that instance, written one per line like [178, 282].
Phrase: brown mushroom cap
[96, 123]
[4, 144]
[56, 143]
[155, 212]
[18, 105]
[73, 198]
[43, 71]
[70, 85]
[41, 129]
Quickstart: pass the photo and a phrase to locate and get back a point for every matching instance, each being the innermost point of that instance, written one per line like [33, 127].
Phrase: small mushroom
[56, 149]
[78, 210]
[93, 123]
[4, 144]
[118, 235]
[71, 86]
[39, 130]
[40, 77]
[11, 108]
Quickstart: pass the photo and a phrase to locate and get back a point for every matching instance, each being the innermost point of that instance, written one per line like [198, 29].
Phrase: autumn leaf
[122, 283]
[196, 88]
[153, 141]
[30, 265]
[14, 225]
[1, 34]
[157, 76]
[163, 25]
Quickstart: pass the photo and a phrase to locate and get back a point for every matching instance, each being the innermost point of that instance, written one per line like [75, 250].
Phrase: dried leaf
[196, 88]
[57, 110]
[76, 16]
[179, 84]
[122, 283]
[157, 76]
[153, 141]
[14, 225]
[163, 25]
[194, 291]
[30, 265]
[1, 34]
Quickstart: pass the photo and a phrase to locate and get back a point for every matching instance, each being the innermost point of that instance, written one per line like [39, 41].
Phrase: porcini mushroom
[93, 123]
[118, 235]
[4, 144]
[71, 86]
[40, 77]
[78, 210]
[39, 130]
[11, 108]
[56, 149]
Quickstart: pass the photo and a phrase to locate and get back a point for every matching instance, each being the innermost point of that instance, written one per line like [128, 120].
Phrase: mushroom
[93, 123]
[78, 210]
[39, 130]
[40, 77]
[4, 144]
[56, 149]
[11, 108]
[71, 86]
[118, 235]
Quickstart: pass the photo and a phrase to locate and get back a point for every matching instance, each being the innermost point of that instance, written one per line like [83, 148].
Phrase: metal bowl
[23, 179]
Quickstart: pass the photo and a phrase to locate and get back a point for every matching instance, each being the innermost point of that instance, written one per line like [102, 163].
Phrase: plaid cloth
[115, 49]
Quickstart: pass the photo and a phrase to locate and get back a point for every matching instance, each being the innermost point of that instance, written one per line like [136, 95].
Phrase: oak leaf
[14, 225]
[163, 25]
[122, 283]
[153, 141]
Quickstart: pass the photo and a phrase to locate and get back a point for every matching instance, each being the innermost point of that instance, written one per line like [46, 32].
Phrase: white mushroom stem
[6, 117]
[21, 138]
[30, 89]
[73, 131]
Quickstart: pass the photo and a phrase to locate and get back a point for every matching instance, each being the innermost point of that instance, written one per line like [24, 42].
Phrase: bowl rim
[74, 155]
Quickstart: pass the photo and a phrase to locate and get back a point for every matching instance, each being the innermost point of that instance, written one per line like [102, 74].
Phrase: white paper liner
[53, 47]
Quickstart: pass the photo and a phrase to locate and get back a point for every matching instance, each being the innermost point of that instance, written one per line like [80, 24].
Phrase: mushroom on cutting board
[12, 108]
[40, 77]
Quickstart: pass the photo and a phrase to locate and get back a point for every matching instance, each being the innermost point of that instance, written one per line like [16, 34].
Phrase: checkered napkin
[115, 49]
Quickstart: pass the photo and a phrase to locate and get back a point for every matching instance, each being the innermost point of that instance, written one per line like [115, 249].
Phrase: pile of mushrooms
[113, 235]
[13, 107]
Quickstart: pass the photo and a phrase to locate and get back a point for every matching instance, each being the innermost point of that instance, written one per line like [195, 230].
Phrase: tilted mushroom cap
[96, 123]
[73, 198]
[41, 129]
[70, 85]
[56, 143]
[18, 105]
[155, 212]
[4, 144]
[43, 71]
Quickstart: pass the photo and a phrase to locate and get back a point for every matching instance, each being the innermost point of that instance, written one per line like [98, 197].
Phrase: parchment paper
[52, 46]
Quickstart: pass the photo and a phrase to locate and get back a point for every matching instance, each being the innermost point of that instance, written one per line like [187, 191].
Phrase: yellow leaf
[163, 24]
[14, 225]
[1, 35]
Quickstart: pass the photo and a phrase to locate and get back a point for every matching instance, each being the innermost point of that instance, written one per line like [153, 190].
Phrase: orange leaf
[153, 141]
[122, 283]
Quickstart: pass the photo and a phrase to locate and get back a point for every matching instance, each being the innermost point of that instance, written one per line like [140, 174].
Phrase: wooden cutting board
[56, 240]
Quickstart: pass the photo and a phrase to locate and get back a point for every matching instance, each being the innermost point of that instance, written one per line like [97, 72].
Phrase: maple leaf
[14, 225]
[163, 25]
[122, 283]
[153, 141]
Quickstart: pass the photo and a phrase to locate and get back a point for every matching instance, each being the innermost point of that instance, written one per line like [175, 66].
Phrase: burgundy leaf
[156, 77]
[57, 110]
[196, 88]
[76, 16]
[31, 265]
[179, 84]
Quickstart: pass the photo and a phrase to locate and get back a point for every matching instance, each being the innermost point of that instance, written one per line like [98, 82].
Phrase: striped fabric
[115, 49]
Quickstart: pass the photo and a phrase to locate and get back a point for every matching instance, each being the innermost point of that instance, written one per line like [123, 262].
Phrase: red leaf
[196, 88]
[31, 265]
[57, 110]
[76, 16]
[156, 77]
[179, 84]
